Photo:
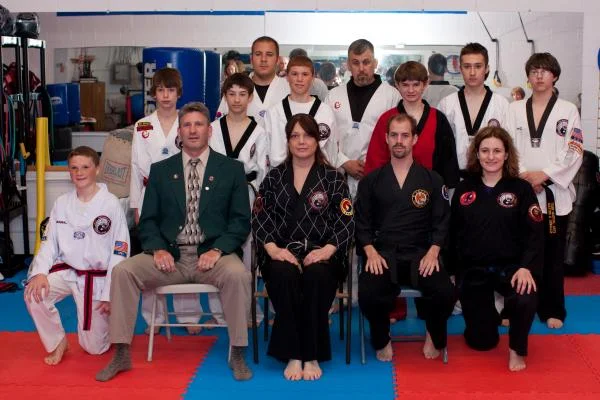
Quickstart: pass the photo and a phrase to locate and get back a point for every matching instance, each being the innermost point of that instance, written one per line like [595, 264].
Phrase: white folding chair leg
[166, 314]
[153, 319]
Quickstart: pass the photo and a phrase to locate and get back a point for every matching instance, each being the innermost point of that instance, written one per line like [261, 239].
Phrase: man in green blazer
[195, 218]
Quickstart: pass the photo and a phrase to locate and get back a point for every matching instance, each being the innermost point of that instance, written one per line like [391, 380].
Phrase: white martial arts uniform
[81, 241]
[275, 121]
[559, 153]
[433, 93]
[493, 115]
[278, 89]
[150, 145]
[252, 150]
[319, 89]
[354, 136]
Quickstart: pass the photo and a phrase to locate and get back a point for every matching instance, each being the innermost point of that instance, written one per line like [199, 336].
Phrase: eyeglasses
[539, 72]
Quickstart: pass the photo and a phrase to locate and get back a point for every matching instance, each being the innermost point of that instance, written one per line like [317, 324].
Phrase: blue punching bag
[189, 62]
[213, 81]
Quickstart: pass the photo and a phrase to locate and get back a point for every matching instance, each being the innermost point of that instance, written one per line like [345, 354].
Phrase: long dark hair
[511, 164]
[310, 126]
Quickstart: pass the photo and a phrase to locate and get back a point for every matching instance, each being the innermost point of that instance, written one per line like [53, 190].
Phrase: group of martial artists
[461, 200]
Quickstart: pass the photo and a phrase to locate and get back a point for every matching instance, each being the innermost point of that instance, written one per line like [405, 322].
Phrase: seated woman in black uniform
[303, 219]
[497, 239]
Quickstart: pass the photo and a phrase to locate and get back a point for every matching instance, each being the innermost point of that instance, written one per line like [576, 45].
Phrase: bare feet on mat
[554, 323]
[515, 361]
[429, 350]
[505, 322]
[156, 330]
[293, 371]
[386, 354]
[193, 330]
[56, 356]
[312, 371]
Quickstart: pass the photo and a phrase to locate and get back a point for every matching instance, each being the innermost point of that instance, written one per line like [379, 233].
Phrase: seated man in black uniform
[402, 216]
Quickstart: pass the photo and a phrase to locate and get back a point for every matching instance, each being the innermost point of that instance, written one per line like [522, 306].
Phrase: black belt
[550, 207]
[251, 176]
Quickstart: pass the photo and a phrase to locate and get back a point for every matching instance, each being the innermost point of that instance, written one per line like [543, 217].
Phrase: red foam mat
[23, 374]
[587, 285]
[558, 367]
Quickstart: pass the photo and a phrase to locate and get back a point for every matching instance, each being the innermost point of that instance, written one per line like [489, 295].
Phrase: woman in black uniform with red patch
[497, 240]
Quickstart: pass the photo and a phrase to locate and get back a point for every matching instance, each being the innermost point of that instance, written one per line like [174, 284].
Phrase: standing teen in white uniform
[357, 106]
[300, 76]
[547, 134]
[238, 136]
[154, 139]
[85, 238]
[474, 106]
[269, 88]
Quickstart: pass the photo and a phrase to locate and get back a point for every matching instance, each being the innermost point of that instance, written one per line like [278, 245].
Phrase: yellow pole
[41, 151]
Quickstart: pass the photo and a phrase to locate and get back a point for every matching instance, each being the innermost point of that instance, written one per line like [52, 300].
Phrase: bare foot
[293, 371]
[386, 354]
[56, 356]
[312, 371]
[505, 322]
[429, 350]
[515, 361]
[554, 323]
[193, 330]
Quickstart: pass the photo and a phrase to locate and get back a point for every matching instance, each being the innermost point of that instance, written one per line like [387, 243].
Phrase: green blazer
[224, 210]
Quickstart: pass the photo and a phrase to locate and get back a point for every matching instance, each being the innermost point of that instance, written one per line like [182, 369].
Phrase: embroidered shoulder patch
[121, 248]
[468, 198]
[420, 198]
[535, 213]
[346, 207]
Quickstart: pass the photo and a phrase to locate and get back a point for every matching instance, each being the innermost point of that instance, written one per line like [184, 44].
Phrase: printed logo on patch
[219, 115]
[165, 151]
[78, 235]
[420, 198]
[561, 127]
[262, 113]
[337, 105]
[144, 126]
[577, 135]
[346, 207]
[121, 248]
[318, 200]
[507, 200]
[252, 150]
[145, 134]
[468, 198]
[102, 225]
[445, 193]
[535, 213]
[258, 205]
[324, 131]
[494, 123]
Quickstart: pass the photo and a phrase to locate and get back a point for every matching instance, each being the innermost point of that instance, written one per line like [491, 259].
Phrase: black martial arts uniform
[321, 214]
[494, 232]
[402, 224]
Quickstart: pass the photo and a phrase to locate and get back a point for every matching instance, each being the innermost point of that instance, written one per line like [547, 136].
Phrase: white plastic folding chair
[185, 288]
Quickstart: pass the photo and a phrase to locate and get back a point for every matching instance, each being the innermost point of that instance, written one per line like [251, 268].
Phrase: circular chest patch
[507, 200]
[494, 122]
[145, 134]
[535, 213]
[561, 127]
[102, 225]
[324, 131]
[346, 207]
[420, 198]
[318, 200]
[468, 198]
[337, 105]
[445, 193]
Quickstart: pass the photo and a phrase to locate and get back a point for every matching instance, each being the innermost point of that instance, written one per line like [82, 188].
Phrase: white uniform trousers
[49, 326]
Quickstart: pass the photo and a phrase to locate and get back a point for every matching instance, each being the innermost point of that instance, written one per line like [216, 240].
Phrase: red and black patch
[466, 199]
[420, 198]
[102, 225]
[507, 200]
[535, 213]
[144, 126]
[318, 200]
[258, 205]
[346, 207]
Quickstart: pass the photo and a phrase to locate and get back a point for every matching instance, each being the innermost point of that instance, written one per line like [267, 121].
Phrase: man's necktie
[192, 229]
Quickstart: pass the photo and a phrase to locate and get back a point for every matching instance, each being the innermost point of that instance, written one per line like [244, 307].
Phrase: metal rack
[14, 196]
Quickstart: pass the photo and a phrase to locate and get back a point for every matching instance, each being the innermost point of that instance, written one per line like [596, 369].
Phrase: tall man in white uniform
[474, 106]
[300, 75]
[547, 133]
[357, 106]
[269, 88]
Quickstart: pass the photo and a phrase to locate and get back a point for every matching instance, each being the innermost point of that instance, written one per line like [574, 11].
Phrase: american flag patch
[577, 135]
[121, 248]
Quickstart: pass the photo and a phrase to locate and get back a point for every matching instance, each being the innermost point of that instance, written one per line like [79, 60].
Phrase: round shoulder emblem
[324, 131]
[318, 200]
[535, 213]
[102, 225]
[561, 127]
[467, 198]
[346, 207]
[420, 198]
[507, 200]
[445, 193]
